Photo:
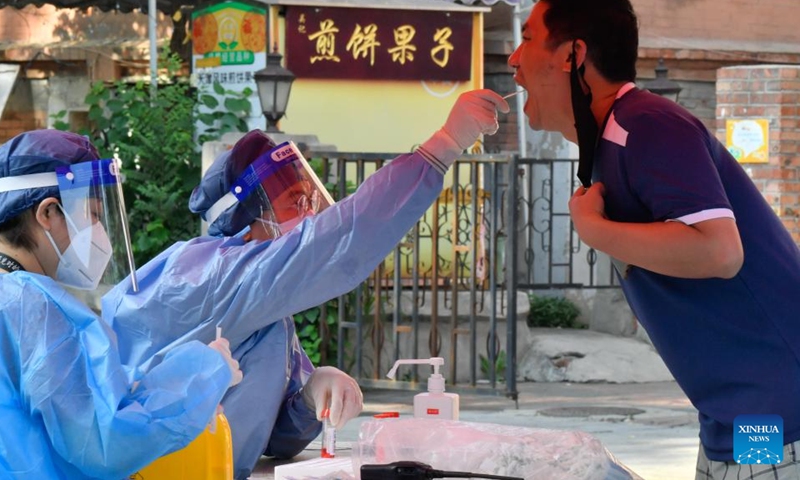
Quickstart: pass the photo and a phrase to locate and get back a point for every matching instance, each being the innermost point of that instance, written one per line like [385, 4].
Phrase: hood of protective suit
[38, 151]
[220, 177]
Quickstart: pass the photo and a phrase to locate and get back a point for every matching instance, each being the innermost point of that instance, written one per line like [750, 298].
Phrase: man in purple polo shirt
[706, 265]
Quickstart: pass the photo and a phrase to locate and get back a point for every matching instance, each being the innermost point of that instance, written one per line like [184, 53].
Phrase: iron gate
[454, 280]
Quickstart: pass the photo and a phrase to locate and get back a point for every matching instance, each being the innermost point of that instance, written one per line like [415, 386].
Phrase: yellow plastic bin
[208, 457]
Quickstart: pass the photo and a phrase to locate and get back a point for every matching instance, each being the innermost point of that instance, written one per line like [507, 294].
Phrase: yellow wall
[377, 116]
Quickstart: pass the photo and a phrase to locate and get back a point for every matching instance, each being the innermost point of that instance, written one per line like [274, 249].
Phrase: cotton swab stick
[212, 427]
[512, 94]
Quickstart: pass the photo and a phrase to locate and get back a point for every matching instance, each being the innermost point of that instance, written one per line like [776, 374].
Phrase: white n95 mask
[278, 229]
[85, 260]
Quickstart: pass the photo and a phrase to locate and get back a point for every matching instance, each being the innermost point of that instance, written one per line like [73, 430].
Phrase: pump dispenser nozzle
[435, 361]
[435, 381]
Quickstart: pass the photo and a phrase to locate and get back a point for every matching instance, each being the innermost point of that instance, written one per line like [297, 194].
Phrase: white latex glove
[329, 385]
[224, 348]
[474, 114]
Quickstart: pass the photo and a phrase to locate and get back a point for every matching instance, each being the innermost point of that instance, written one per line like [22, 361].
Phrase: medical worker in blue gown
[68, 408]
[250, 284]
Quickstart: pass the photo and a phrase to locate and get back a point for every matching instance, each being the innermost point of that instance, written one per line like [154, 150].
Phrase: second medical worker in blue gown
[251, 288]
[68, 409]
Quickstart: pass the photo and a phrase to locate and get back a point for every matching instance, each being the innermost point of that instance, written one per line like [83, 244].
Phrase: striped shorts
[788, 470]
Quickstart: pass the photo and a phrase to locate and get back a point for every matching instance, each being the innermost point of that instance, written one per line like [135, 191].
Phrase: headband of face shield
[278, 190]
[94, 212]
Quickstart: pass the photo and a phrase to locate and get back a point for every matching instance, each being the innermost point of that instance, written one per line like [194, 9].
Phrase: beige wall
[360, 116]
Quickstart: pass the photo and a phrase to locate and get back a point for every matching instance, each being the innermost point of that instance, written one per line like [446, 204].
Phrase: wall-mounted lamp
[274, 84]
[661, 85]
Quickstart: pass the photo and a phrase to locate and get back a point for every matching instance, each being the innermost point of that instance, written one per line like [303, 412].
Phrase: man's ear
[579, 48]
[45, 211]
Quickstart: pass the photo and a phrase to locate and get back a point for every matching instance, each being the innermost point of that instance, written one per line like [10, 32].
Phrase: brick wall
[21, 113]
[771, 92]
[729, 20]
[14, 123]
[700, 99]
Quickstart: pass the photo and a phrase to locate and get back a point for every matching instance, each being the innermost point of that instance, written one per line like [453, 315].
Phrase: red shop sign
[380, 44]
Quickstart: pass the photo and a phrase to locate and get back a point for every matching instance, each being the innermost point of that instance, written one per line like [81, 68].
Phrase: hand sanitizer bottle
[435, 403]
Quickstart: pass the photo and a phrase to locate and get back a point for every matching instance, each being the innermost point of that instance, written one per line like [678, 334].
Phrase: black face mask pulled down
[585, 124]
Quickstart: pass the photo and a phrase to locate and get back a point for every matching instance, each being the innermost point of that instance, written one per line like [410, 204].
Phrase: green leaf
[103, 92]
[219, 89]
[233, 44]
[96, 114]
[206, 118]
[209, 101]
[115, 106]
[237, 105]
[308, 331]
[101, 123]
[229, 120]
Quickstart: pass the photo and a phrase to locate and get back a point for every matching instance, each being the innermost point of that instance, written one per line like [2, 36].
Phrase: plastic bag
[530, 453]
[316, 469]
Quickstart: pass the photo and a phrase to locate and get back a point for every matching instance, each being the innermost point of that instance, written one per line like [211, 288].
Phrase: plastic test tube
[328, 436]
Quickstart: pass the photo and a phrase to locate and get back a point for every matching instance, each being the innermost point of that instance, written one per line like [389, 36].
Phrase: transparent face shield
[99, 254]
[279, 189]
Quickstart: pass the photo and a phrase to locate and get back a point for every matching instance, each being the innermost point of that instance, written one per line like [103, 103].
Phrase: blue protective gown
[65, 402]
[252, 288]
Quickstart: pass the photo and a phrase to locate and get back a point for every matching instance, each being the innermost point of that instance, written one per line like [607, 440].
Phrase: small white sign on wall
[748, 140]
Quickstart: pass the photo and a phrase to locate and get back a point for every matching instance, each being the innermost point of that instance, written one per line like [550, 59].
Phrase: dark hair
[609, 28]
[17, 231]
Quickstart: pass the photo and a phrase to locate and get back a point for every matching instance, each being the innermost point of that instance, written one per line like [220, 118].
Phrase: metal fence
[500, 227]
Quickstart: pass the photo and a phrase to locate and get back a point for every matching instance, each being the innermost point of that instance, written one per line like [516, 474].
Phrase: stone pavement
[581, 356]
[650, 427]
